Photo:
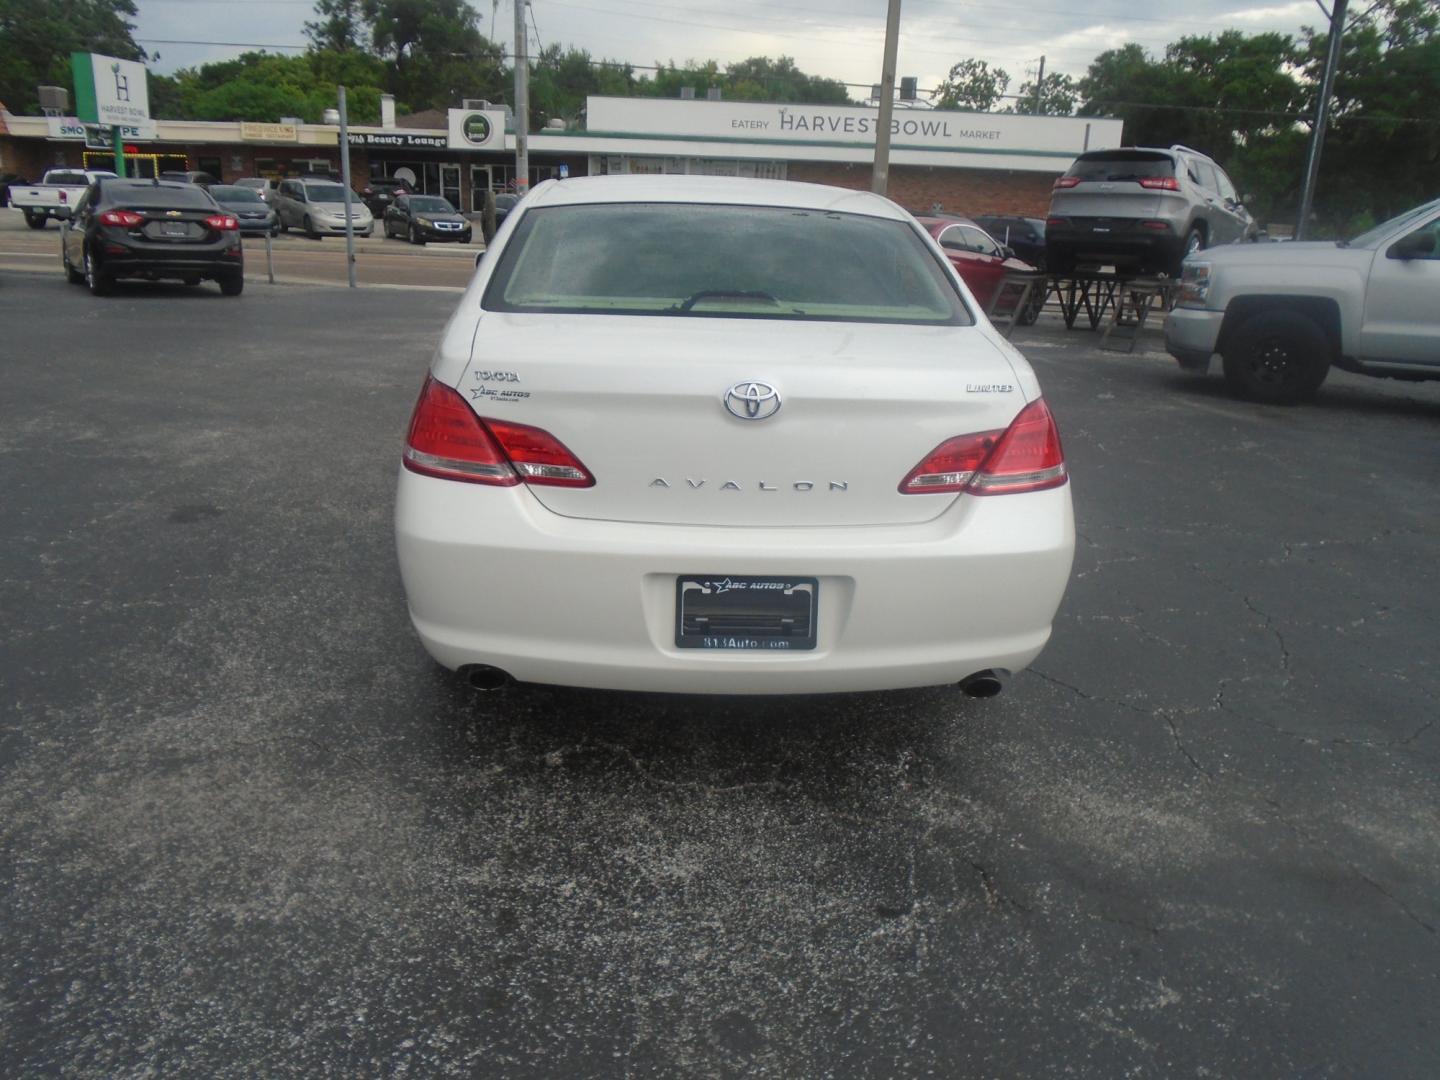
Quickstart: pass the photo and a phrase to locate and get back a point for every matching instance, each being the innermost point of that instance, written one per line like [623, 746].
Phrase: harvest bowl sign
[849, 126]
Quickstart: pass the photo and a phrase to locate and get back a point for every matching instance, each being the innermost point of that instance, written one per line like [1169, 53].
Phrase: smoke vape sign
[110, 91]
[477, 129]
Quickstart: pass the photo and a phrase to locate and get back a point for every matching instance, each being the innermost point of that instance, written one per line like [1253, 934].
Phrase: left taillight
[223, 222]
[1026, 456]
[447, 440]
[125, 219]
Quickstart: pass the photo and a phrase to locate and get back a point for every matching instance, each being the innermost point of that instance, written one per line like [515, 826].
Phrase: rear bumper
[136, 258]
[1120, 241]
[491, 577]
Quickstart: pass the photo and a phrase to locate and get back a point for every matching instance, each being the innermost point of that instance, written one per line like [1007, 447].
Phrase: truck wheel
[1277, 357]
[34, 220]
[100, 282]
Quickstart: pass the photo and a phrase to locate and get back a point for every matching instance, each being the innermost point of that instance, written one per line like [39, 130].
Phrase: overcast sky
[841, 39]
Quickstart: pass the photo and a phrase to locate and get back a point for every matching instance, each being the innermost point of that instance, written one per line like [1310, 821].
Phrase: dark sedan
[420, 218]
[151, 229]
[253, 213]
[379, 194]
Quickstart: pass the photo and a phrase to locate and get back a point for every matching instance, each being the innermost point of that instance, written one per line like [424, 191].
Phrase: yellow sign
[256, 132]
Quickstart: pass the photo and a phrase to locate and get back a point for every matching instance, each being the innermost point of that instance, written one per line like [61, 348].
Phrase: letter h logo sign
[122, 84]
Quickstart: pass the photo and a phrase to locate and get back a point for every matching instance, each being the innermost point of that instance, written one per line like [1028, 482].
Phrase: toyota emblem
[752, 400]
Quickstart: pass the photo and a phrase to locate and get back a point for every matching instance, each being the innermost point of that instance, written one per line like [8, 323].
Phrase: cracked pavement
[247, 829]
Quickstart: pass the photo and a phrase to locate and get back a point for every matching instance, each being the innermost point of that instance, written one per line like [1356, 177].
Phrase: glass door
[479, 184]
[450, 184]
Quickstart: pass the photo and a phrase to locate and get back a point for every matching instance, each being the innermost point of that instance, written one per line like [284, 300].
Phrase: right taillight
[449, 441]
[1160, 183]
[1026, 456]
[1067, 182]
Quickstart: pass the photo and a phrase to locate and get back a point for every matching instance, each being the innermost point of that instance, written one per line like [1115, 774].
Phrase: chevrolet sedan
[733, 436]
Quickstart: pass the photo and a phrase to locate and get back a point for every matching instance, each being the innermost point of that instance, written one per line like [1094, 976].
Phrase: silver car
[317, 205]
[1141, 208]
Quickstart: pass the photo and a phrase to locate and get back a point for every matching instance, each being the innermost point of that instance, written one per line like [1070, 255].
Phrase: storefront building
[958, 162]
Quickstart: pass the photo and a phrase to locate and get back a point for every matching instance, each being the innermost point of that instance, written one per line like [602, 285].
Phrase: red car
[975, 254]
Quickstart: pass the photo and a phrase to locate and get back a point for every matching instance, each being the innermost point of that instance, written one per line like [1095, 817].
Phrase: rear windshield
[235, 193]
[74, 178]
[1122, 165]
[186, 196]
[325, 192]
[722, 261]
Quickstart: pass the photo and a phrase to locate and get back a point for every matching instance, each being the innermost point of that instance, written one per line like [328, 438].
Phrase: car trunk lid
[642, 402]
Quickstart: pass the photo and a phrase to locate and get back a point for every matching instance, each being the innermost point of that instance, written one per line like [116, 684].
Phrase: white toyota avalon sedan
[729, 436]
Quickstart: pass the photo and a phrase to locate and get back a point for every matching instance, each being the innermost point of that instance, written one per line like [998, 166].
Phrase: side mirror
[1006, 251]
[1418, 245]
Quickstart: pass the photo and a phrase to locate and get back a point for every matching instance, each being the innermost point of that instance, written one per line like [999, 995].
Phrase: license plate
[171, 228]
[766, 614]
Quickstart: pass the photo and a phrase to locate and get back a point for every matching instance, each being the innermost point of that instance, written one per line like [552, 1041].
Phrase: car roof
[935, 223]
[726, 190]
[111, 183]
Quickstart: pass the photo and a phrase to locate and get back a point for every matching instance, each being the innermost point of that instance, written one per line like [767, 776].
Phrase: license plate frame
[746, 612]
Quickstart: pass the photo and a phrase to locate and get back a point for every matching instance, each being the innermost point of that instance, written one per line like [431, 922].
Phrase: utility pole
[345, 182]
[1322, 118]
[880, 176]
[1040, 89]
[522, 102]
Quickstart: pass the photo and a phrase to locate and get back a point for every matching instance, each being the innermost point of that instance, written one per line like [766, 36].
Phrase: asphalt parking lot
[246, 828]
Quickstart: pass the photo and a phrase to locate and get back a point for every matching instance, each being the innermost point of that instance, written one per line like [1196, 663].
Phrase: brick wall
[32, 157]
[958, 191]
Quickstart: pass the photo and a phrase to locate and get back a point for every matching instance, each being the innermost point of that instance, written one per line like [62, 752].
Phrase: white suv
[731, 436]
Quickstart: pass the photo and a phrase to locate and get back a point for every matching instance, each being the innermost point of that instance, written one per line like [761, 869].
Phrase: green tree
[971, 84]
[438, 53]
[1057, 96]
[561, 80]
[38, 36]
[762, 79]
[339, 26]
[1382, 148]
[267, 86]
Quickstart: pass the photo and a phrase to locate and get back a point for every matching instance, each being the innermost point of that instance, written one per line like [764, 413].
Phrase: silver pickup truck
[58, 189]
[1280, 315]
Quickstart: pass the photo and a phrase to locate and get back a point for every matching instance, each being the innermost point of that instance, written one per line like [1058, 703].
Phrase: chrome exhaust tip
[486, 678]
[982, 684]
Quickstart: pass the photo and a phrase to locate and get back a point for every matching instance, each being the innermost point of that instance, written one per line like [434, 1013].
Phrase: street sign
[110, 91]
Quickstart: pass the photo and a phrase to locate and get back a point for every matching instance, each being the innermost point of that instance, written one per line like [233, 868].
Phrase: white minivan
[317, 205]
